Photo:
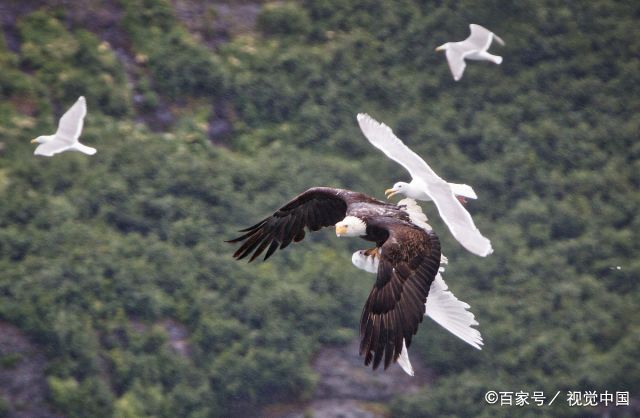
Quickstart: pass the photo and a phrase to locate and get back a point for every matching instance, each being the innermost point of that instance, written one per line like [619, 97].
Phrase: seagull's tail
[84, 149]
[463, 190]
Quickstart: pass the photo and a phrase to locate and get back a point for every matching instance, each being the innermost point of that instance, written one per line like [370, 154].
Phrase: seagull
[473, 48]
[66, 137]
[427, 185]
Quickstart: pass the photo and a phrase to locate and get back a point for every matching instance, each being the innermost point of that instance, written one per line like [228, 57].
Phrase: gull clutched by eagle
[473, 48]
[66, 137]
[427, 185]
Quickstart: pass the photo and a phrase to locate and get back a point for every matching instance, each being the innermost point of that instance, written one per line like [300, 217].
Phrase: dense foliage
[102, 258]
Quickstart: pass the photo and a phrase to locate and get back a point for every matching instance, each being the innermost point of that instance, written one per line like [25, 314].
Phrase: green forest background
[203, 128]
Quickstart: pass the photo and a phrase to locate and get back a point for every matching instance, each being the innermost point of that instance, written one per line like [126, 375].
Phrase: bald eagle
[408, 259]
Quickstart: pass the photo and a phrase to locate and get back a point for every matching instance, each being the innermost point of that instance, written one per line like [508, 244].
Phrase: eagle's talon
[371, 252]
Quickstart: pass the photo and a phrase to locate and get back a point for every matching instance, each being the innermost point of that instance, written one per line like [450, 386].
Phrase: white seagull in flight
[427, 185]
[66, 137]
[473, 48]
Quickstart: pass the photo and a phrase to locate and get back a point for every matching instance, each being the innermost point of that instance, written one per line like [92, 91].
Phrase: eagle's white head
[351, 226]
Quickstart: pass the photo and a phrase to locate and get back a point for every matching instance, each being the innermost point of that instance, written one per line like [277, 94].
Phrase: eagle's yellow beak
[341, 230]
[34, 140]
[390, 193]
[440, 48]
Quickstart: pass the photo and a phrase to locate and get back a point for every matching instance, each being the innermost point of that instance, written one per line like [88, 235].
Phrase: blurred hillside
[118, 295]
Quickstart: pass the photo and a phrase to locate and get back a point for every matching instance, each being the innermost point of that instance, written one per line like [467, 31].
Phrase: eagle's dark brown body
[409, 258]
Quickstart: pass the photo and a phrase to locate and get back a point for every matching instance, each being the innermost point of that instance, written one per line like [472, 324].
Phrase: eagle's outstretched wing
[316, 208]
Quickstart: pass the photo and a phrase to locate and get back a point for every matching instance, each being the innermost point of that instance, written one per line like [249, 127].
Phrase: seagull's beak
[390, 193]
[341, 230]
[34, 140]
[440, 48]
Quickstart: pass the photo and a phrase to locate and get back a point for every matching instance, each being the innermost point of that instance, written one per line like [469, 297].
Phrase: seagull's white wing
[498, 39]
[383, 138]
[452, 314]
[455, 59]
[458, 220]
[451, 210]
[415, 212]
[70, 125]
[480, 37]
[48, 149]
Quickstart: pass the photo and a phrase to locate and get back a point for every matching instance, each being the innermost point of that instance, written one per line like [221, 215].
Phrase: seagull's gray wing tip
[499, 40]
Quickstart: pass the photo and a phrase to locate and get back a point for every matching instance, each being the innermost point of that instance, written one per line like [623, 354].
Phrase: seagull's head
[443, 47]
[41, 139]
[351, 226]
[400, 187]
